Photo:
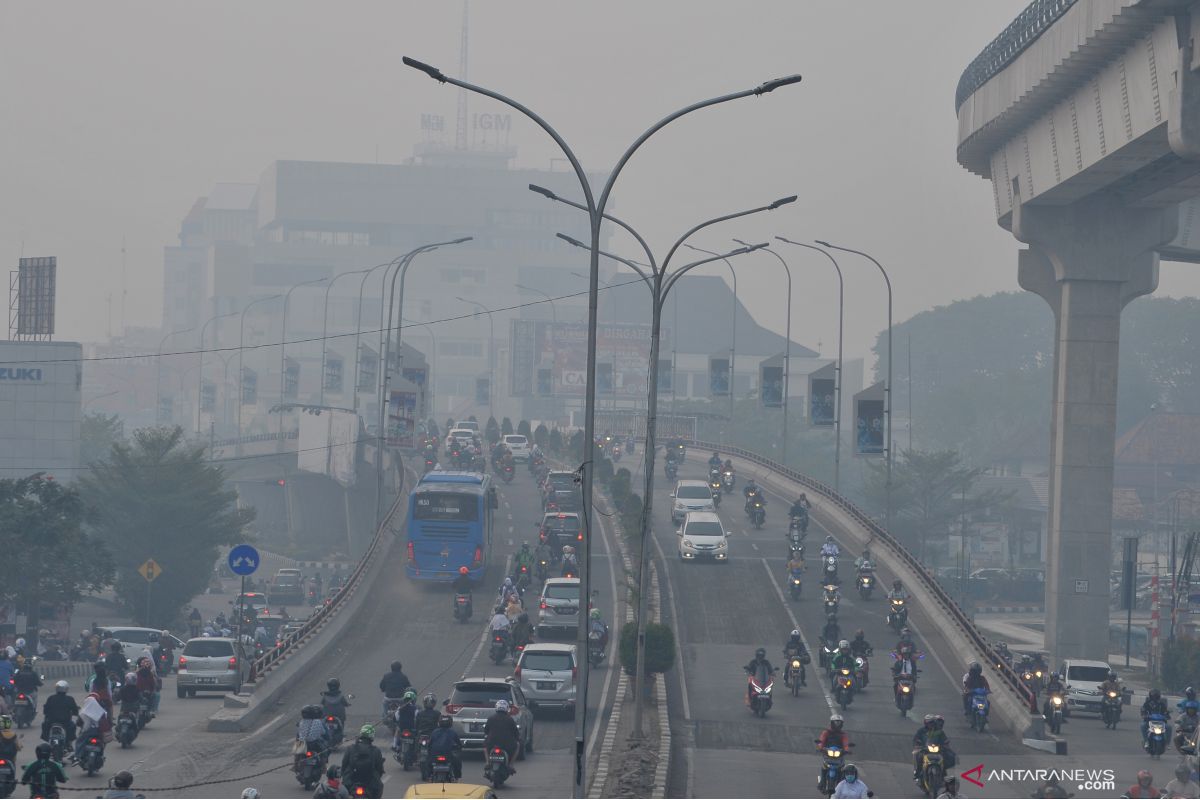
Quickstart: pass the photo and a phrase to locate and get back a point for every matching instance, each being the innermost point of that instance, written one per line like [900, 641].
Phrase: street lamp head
[739, 241]
[460, 241]
[570, 240]
[543, 191]
[781, 202]
[766, 86]
[430, 70]
[823, 244]
[752, 247]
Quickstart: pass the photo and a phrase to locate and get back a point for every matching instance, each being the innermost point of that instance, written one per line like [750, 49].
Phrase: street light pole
[553, 310]
[325, 327]
[200, 367]
[158, 373]
[887, 389]
[241, 373]
[595, 208]
[787, 347]
[733, 334]
[358, 319]
[837, 419]
[491, 349]
[283, 345]
[432, 353]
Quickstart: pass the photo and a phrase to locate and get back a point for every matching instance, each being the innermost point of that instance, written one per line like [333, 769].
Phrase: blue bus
[450, 525]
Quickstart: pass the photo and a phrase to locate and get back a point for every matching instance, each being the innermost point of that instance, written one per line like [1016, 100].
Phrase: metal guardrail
[1012, 41]
[268, 660]
[1010, 676]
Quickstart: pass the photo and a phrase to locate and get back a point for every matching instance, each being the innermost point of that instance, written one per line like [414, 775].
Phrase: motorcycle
[144, 714]
[337, 731]
[496, 770]
[826, 655]
[162, 664]
[1055, 717]
[58, 742]
[126, 730]
[794, 674]
[8, 777]
[23, 710]
[898, 614]
[756, 512]
[933, 770]
[616, 453]
[799, 523]
[906, 693]
[1185, 734]
[829, 570]
[507, 473]
[595, 648]
[309, 769]
[760, 692]
[541, 568]
[462, 606]
[405, 750]
[671, 469]
[1156, 735]
[714, 486]
[795, 544]
[980, 706]
[91, 755]
[430, 463]
[727, 481]
[389, 713]
[844, 686]
[862, 672]
[794, 585]
[1110, 708]
[441, 770]
[866, 584]
[833, 760]
[423, 756]
[499, 648]
[830, 598]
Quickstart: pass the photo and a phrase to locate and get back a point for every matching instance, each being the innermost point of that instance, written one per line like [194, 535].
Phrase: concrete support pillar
[1087, 260]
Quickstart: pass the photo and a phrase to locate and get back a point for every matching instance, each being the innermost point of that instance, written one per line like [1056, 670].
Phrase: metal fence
[951, 608]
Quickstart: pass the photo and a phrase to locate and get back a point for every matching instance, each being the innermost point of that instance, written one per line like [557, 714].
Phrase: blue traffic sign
[243, 560]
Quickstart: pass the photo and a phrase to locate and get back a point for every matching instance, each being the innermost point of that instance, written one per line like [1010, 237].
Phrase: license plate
[476, 727]
[566, 610]
[548, 686]
[206, 680]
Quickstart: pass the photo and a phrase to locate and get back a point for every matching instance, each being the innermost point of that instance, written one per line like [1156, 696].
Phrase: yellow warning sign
[150, 570]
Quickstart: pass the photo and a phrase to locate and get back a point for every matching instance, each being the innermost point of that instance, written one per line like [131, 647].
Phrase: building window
[460, 349]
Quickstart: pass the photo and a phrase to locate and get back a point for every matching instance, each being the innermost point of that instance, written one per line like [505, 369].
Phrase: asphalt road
[401, 620]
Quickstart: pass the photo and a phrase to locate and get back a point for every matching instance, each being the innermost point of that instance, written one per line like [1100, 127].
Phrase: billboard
[822, 396]
[368, 369]
[545, 382]
[604, 378]
[291, 378]
[36, 279]
[335, 373]
[402, 419]
[417, 375]
[561, 348]
[328, 444]
[249, 386]
[869, 421]
[770, 386]
[718, 376]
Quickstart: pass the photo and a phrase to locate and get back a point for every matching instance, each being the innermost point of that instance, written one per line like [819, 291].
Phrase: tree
[660, 648]
[524, 429]
[491, 431]
[555, 441]
[449, 425]
[157, 497]
[506, 427]
[928, 494]
[48, 558]
[541, 436]
[97, 433]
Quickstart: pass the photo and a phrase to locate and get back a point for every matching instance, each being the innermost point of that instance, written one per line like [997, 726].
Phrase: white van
[518, 445]
[703, 536]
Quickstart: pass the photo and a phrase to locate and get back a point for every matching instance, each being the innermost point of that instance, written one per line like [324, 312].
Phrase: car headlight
[679, 506]
[722, 544]
[687, 542]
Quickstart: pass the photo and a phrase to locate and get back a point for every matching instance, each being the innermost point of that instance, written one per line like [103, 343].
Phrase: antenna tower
[460, 139]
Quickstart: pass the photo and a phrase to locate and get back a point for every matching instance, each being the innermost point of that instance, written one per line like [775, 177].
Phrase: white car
[134, 641]
[546, 673]
[1082, 681]
[703, 536]
[690, 496]
[518, 445]
[468, 424]
[558, 607]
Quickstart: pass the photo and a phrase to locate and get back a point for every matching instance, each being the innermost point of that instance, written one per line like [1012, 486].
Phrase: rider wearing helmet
[427, 718]
[831, 632]
[522, 631]
[931, 730]
[850, 785]
[1054, 685]
[523, 558]
[1155, 704]
[841, 659]
[758, 664]
[120, 785]
[794, 648]
[596, 624]
[1144, 786]
[898, 592]
[1182, 785]
[714, 462]
[834, 734]
[332, 786]
[859, 645]
[406, 715]
[950, 788]
[44, 774]
[501, 731]
[830, 548]
[393, 685]
[333, 702]
[971, 680]
[363, 763]
[462, 582]
[445, 742]
[60, 709]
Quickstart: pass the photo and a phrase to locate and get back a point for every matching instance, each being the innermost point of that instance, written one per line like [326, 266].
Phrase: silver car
[546, 673]
[690, 496]
[211, 664]
[558, 607]
[474, 700]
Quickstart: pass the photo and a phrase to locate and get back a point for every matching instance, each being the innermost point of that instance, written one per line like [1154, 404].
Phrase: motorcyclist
[932, 733]
[164, 651]
[1054, 685]
[794, 648]
[752, 492]
[800, 506]
[831, 632]
[60, 709]
[332, 786]
[121, 786]
[830, 548]
[500, 622]
[905, 640]
[10, 743]
[971, 680]
[501, 731]
[406, 716]
[523, 558]
[27, 682]
[311, 734]
[841, 659]
[362, 763]
[714, 463]
[596, 623]
[1182, 785]
[1003, 653]
[834, 734]
[795, 565]
[522, 631]
[1112, 684]
[43, 775]
[850, 785]
[463, 583]
[569, 563]
[115, 661]
[865, 563]
[1050, 789]
[949, 789]
[1144, 787]
[859, 645]
[1189, 721]
[897, 592]
[333, 702]
[445, 742]
[393, 685]
[1155, 704]
[427, 718]
[148, 682]
[759, 662]
[904, 665]
[129, 695]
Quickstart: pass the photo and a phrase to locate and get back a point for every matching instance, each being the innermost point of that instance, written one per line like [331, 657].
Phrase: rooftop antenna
[460, 138]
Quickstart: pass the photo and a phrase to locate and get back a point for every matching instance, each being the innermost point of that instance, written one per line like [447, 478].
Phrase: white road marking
[612, 577]
[803, 638]
[264, 728]
[687, 708]
[483, 637]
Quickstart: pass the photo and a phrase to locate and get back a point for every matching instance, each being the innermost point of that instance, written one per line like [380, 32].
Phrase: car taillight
[453, 708]
[574, 673]
[360, 791]
[579, 536]
[329, 719]
[496, 751]
[182, 662]
[412, 556]
[441, 759]
[308, 754]
[93, 740]
[21, 697]
[233, 661]
[543, 605]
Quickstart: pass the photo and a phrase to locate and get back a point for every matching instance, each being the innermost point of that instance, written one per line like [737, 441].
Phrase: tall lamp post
[158, 372]
[241, 373]
[358, 319]
[887, 389]
[549, 299]
[287, 296]
[325, 325]
[733, 333]
[432, 353]
[595, 208]
[200, 367]
[491, 349]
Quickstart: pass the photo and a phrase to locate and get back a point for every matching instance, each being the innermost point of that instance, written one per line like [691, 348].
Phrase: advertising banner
[545, 382]
[604, 378]
[770, 382]
[402, 413]
[249, 386]
[561, 347]
[368, 369]
[869, 421]
[718, 376]
[334, 373]
[291, 378]
[666, 375]
[822, 396]
[417, 375]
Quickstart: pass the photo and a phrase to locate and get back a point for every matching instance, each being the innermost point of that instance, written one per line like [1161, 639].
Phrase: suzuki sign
[23, 374]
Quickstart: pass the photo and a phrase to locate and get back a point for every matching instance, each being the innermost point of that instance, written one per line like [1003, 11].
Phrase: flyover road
[724, 612]
[401, 620]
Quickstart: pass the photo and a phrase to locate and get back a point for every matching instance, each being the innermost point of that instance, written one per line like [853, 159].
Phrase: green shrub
[604, 471]
[618, 487]
[555, 442]
[506, 427]
[523, 429]
[660, 648]
[541, 436]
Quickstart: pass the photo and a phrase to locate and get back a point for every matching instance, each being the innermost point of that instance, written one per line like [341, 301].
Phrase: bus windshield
[446, 506]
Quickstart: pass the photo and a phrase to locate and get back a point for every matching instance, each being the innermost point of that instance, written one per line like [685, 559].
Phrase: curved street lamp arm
[633, 265]
[679, 242]
[549, 195]
[679, 273]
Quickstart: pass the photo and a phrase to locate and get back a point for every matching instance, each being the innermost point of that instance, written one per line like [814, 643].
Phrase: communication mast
[460, 137]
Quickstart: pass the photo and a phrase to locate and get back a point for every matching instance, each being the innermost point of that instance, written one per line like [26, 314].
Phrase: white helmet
[250, 792]
[61, 686]
[502, 705]
[796, 633]
[844, 643]
[20, 643]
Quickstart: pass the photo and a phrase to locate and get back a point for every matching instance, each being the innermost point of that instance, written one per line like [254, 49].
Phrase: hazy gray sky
[117, 115]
